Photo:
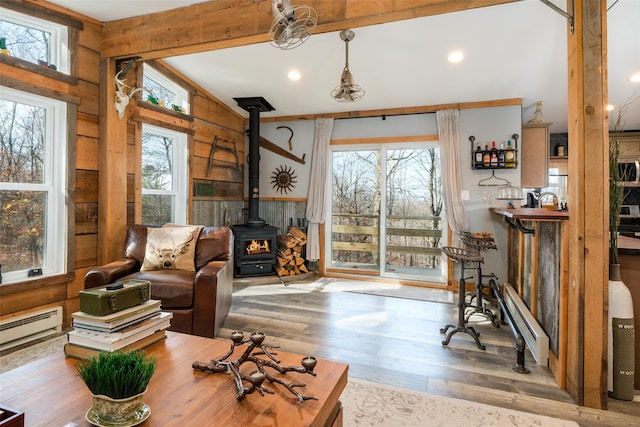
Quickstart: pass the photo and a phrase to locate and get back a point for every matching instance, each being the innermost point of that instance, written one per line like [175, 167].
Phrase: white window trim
[179, 190]
[59, 42]
[55, 164]
[182, 95]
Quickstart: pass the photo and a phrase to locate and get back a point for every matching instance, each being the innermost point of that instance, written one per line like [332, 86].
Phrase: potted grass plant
[117, 382]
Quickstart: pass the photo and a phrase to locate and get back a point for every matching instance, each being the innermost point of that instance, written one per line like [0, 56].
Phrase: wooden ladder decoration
[231, 147]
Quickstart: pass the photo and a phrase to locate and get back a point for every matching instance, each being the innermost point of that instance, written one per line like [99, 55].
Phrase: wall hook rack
[487, 182]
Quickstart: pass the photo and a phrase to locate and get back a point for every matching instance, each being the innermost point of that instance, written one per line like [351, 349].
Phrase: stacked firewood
[290, 259]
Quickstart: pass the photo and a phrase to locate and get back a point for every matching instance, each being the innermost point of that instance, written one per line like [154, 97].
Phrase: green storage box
[104, 300]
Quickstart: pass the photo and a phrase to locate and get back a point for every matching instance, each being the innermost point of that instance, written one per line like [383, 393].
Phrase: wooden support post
[588, 190]
[112, 181]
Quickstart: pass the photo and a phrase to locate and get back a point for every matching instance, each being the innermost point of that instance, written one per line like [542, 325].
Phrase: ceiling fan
[292, 25]
[347, 90]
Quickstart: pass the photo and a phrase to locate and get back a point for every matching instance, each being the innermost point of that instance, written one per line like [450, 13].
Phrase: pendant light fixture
[292, 25]
[348, 90]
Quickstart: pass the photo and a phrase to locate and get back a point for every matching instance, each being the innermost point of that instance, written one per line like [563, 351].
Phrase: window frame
[182, 94]
[54, 184]
[379, 270]
[180, 172]
[60, 54]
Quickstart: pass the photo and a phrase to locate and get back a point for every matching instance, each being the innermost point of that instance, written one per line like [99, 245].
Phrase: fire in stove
[257, 247]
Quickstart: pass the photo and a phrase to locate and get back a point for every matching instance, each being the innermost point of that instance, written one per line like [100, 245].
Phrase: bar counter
[538, 261]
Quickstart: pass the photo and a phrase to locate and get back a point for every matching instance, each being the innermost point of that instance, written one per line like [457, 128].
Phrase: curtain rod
[384, 116]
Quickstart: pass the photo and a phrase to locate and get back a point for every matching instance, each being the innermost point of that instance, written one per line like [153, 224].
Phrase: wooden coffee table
[50, 392]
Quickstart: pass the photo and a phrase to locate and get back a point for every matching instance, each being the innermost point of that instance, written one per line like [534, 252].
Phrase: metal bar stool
[478, 299]
[462, 256]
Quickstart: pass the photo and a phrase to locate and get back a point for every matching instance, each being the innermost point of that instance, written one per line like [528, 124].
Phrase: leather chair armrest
[212, 297]
[109, 273]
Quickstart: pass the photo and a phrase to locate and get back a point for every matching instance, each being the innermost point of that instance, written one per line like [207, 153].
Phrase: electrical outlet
[464, 194]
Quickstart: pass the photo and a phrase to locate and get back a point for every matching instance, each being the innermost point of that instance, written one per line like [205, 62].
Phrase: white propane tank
[621, 355]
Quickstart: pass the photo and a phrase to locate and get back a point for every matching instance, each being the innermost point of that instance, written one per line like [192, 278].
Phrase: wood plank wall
[210, 118]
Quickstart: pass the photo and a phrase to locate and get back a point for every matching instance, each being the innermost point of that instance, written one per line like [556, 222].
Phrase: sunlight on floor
[368, 320]
[317, 285]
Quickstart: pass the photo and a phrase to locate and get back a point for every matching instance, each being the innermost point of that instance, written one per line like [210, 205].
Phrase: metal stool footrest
[477, 300]
[461, 255]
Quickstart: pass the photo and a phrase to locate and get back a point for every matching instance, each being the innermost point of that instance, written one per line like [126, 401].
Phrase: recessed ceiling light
[294, 75]
[635, 78]
[610, 107]
[455, 56]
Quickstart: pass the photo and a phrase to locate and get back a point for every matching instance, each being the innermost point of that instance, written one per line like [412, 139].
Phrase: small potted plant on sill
[117, 382]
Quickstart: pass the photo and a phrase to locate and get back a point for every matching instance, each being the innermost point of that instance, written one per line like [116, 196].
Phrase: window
[165, 91]
[32, 184]
[164, 176]
[35, 40]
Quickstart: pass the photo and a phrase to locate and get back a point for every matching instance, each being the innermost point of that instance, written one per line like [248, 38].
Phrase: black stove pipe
[254, 105]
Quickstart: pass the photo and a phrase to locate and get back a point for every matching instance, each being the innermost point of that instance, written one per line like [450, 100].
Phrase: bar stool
[462, 256]
[480, 242]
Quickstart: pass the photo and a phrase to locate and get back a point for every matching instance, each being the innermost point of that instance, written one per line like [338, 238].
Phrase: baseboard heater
[536, 339]
[22, 329]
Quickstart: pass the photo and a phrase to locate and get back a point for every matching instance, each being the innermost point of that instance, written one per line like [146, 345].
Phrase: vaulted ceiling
[512, 50]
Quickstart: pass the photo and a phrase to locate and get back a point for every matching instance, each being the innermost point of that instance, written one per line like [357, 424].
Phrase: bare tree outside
[22, 152]
[412, 211]
[26, 43]
[356, 205]
[157, 174]
[164, 96]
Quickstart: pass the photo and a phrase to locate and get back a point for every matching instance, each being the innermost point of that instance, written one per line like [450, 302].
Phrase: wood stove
[255, 241]
[255, 250]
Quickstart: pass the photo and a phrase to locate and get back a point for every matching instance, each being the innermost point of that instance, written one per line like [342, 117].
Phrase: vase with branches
[620, 313]
[616, 190]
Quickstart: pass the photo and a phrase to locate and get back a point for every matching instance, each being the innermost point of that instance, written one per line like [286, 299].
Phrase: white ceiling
[516, 50]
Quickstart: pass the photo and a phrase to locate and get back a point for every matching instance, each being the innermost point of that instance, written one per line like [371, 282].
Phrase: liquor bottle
[3, 46]
[501, 161]
[493, 160]
[486, 157]
[509, 156]
[478, 158]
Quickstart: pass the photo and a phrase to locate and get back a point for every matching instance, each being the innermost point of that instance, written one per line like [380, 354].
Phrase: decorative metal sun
[283, 179]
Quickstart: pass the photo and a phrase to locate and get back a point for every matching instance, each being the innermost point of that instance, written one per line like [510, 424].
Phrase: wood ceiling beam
[389, 112]
[229, 23]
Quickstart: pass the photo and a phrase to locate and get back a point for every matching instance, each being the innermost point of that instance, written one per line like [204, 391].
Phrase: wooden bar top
[531, 214]
[51, 393]
[632, 244]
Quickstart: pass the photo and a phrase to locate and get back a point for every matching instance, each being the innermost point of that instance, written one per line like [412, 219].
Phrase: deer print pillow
[171, 248]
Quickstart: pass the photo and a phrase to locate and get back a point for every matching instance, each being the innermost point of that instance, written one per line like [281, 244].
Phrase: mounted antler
[122, 98]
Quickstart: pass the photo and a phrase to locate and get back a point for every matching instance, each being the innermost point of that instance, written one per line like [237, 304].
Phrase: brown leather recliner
[199, 300]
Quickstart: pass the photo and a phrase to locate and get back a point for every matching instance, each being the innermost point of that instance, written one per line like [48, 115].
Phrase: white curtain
[451, 182]
[317, 201]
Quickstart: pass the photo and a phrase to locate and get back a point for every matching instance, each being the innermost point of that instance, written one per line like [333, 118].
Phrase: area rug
[370, 404]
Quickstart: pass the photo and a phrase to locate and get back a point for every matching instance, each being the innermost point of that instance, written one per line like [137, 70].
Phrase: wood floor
[397, 341]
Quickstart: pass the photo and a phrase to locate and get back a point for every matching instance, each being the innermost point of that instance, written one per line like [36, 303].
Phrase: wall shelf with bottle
[492, 157]
[558, 154]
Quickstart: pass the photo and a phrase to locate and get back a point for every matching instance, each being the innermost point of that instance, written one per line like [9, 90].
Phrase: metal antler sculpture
[256, 378]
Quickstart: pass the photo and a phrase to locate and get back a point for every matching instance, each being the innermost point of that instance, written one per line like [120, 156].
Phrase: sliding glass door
[387, 211]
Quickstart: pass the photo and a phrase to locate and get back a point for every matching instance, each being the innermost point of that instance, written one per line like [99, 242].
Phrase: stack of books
[129, 329]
